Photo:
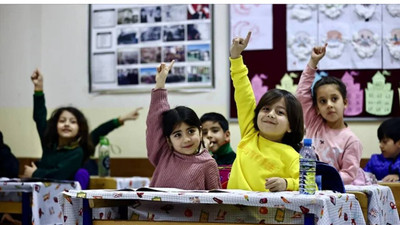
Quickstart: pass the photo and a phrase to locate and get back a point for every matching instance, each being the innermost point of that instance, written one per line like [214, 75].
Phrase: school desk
[97, 182]
[231, 206]
[395, 187]
[381, 203]
[37, 201]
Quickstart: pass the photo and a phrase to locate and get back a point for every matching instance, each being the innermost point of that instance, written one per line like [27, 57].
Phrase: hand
[7, 218]
[317, 54]
[238, 45]
[208, 145]
[391, 178]
[37, 80]
[275, 184]
[162, 73]
[130, 116]
[29, 170]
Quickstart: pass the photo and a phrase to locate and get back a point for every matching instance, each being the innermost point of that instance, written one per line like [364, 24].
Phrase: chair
[83, 177]
[330, 177]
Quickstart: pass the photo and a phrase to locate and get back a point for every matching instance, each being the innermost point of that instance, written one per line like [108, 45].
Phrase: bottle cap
[307, 142]
[104, 141]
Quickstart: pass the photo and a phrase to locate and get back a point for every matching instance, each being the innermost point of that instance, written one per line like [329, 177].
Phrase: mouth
[188, 146]
[269, 122]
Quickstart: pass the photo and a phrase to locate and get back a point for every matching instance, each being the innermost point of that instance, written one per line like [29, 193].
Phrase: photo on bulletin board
[128, 42]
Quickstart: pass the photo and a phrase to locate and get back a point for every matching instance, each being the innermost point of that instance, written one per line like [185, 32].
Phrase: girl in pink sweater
[323, 107]
[174, 143]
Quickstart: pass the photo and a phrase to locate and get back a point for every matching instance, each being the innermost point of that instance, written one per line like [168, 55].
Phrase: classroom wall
[54, 38]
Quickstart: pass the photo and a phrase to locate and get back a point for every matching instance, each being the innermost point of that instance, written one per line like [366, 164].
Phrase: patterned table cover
[382, 207]
[45, 207]
[230, 206]
[132, 182]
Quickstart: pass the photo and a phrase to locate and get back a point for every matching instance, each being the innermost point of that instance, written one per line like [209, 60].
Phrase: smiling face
[331, 105]
[215, 134]
[389, 148]
[67, 127]
[185, 139]
[272, 121]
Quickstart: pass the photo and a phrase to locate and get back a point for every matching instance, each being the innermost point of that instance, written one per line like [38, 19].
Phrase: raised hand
[317, 54]
[130, 116]
[37, 80]
[238, 45]
[162, 73]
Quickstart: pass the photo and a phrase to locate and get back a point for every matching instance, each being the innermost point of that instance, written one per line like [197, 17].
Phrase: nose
[330, 104]
[271, 114]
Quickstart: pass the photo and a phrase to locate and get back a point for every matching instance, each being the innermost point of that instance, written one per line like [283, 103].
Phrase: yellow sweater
[257, 158]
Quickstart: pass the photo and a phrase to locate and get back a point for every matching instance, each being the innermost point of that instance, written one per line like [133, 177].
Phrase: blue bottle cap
[307, 142]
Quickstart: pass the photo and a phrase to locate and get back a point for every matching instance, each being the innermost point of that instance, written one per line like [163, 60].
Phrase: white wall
[54, 38]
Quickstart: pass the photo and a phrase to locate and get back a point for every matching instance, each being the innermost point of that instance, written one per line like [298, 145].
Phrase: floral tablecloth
[45, 207]
[231, 206]
[382, 207]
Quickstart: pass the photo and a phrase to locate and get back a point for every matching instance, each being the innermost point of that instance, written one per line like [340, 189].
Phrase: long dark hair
[50, 138]
[294, 115]
[178, 115]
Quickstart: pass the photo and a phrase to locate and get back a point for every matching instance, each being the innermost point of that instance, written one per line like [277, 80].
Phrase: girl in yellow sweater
[271, 132]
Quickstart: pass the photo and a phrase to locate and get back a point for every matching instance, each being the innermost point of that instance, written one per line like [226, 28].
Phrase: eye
[265, 108]
[281, 112]
[322, 101]
[215, 130]
[204, 132]
[177, 135]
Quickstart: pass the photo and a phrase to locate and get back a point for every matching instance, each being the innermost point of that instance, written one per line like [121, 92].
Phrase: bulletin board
[128, 42]
[273, 64]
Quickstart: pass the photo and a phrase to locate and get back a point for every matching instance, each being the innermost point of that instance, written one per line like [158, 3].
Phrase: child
[215, 128]
[386, 166]
[9, 164]
[323, 108]
[104, 129]
[64, 138]
[173, 142]
[271, 133]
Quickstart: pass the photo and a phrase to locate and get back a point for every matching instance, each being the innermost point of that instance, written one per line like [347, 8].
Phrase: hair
[50, 137]
[216, 117]
[329, 80]
[178, 115]
[390, 128]
[294, 115]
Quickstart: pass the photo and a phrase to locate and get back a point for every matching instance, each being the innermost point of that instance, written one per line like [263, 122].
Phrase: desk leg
[26, 208]
[309, 219]
[87, 212]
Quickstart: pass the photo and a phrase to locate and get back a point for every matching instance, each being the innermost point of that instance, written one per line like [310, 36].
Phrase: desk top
[328, 207]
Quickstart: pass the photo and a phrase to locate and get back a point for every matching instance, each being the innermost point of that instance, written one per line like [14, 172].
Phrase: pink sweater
[338, 147]
[172, 169]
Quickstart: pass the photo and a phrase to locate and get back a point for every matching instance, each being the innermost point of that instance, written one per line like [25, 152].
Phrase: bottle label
[307, 171]
[106, 162]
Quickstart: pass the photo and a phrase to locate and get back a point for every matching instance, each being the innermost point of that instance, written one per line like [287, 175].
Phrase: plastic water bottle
[307, 168]
[104, 157]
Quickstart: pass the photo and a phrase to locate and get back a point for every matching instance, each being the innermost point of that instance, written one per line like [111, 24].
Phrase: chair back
[330, 177]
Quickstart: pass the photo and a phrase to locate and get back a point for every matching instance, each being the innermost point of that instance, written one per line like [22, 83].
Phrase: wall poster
[128, 42]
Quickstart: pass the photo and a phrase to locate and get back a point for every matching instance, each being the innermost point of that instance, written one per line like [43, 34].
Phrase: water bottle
[307, 168]
[104, 157]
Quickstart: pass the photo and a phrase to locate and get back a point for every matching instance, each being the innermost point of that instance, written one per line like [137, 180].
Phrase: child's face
[389, 148]
[215, 134]
[67, 126]
[185, 139]
[272, 121]
[330, 103]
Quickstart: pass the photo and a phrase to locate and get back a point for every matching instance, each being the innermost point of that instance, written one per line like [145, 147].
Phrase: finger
[138, 109]
[246, 41]
[171, 64]
[158, 69]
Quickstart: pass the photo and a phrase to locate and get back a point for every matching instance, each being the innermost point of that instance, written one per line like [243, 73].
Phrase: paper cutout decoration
[301, 45]
[331, 11]
[365, 11]
[259, 89]
[393, 10]
[355, 96]
[287, 83]
[379, 95]
[336, 44]
[301, 12]
[365, 43]
[393, 43]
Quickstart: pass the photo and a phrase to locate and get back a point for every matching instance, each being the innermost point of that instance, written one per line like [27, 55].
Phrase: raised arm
[155, 141]
[39, 104]
[244, 95]
[106, 127]
[304, 92]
